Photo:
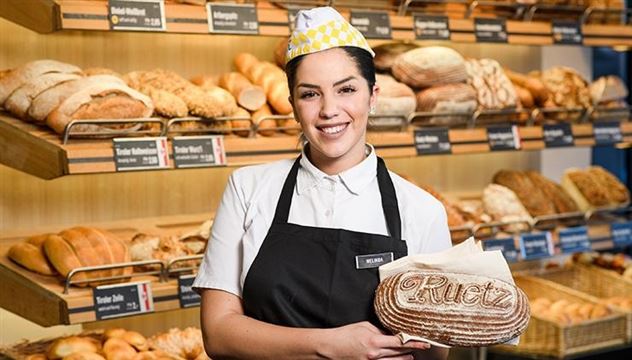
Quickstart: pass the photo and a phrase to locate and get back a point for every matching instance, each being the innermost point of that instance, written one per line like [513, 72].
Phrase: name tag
[373, 260]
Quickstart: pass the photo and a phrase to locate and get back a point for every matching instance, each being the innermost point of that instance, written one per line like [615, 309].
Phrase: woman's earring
[372, 111]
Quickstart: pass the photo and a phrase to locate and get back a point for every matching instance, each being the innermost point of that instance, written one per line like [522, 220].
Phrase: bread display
[186, 344]
[165, 248]
[270, 78]
[594, 188]
[493, 88]
[452, 309]
[564, 312]
[451, 98]
[568, 89]
[554, 192]
[619, 263]
[430, 66]
[533, 199]
[385, 54]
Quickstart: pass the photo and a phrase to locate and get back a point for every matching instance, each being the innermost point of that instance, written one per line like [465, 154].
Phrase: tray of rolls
[56, 269]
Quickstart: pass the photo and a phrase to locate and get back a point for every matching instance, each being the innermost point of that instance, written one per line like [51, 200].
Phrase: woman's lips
[333, 129]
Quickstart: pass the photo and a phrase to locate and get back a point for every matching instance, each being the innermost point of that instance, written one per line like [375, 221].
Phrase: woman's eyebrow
[335, 84]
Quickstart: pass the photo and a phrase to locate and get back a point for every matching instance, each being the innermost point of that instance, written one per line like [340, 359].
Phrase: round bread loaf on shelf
[452, 309]
[67, 346]
[386, 54]
[430, 66]
[553, 191]
[530, 195]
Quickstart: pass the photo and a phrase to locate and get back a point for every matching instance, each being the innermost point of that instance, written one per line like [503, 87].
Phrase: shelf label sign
[232, 18]
[504, 137]
[536, 245]
[621, 233]
[567, 32]
[490, 30]
[140, 153]
[558, 135]
[198, 151]
[372, 24]
[607, 132]
[188, 297]
[141, 15]
[112, 301]
[506, 245]
[432, 141]
[574, 239]
[431, 27]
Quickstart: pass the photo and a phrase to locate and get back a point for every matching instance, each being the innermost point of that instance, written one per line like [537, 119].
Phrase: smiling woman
[292, 264]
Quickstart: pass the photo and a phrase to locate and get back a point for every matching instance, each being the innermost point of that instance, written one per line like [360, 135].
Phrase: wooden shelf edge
[41, 16]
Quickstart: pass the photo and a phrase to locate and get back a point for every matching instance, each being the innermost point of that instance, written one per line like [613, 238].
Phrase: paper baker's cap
[320, 29]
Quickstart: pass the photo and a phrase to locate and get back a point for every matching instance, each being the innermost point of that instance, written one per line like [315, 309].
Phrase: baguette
[248, 96]
[264, 127]
[534, 85]
[245, 125]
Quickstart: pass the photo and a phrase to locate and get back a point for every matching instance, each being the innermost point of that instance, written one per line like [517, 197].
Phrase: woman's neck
[334, 166]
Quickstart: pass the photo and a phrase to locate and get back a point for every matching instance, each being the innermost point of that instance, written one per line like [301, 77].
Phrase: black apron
[307, 276]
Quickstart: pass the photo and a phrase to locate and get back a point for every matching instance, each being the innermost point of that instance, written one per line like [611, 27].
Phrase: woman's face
[332, 101]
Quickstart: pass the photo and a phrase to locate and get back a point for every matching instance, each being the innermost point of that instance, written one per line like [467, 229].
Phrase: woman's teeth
[334, 129]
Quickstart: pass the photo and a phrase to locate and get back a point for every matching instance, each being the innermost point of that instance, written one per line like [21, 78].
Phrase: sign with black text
[506, 245]
[112, 301]
[431, 27]
[432, 141]
[621, 233]
[141, 15]
[198, 151]
[490, 30]
[504, 137]
[140, 153]
[536, 246]
[607, 132]
[567, 32]
[558, 135]
[188, 297]
[574, 239]
[232, 18]
[372, 24]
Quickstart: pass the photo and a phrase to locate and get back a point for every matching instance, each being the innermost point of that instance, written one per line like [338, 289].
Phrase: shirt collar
[355, 179]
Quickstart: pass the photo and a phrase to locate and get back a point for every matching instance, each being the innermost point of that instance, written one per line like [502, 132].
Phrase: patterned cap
[320, 29]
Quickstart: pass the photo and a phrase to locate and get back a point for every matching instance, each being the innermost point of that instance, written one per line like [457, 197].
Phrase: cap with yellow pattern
[320, 29]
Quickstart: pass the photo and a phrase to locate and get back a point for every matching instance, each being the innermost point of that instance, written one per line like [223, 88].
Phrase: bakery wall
[28, 203]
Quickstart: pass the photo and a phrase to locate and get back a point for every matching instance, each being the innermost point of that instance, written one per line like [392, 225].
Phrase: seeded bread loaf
[585, 190]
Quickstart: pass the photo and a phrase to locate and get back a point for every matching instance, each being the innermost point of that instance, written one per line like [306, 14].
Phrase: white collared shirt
[350, 200]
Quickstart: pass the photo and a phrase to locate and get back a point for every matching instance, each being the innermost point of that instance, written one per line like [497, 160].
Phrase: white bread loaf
[607, 89]
[452, 309]
[20, 100]
[385, 54]
[30, 71]
[494, 89]
[395, 98]
[44, 103]
[502, 204]
[100, 101]
[430, 66]
[452, 98]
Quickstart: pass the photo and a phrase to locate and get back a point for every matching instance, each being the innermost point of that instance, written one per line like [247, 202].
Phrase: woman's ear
[373, 99]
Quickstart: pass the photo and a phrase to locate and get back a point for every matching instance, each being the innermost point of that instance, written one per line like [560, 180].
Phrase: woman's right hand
[364, 341]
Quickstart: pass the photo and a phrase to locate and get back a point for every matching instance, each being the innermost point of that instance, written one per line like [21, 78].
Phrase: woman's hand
[364, 341]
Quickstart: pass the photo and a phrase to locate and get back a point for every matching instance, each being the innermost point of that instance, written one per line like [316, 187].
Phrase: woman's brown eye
[307, 95]
[347, 89]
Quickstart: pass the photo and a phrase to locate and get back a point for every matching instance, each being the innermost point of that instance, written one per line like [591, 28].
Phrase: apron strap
[387, 191]
[389, 200]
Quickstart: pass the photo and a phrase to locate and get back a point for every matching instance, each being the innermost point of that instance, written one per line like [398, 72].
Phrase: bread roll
[244, 61]
[204, 80]
[114, 332]
[386, 54]
[70, 345]
[452, 309]
[166, 104]
[279, 52]
[554, 192]
[20, 100]
[101, 71]
[264, 127]
[118, 349]
[533, 199]
[185, 343]
[30, 71]
[534, 85]
[430, 66]
[138, 341]
[36, 357]
[245, 125]
[525, 97]
[30, 254]
[247, 95]
[83, 355]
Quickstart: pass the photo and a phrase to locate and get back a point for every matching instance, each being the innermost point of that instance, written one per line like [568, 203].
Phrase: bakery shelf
[46, 16]
[47, 303]
[40, 152]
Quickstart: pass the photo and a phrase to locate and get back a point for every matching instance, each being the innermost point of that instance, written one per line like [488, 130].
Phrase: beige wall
[27, 202]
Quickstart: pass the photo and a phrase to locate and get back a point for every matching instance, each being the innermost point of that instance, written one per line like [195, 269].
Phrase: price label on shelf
[490, 30]
[536, 245]
[141, 15]
[112, 301]
[503, 137]
[574, 239]
[506, 245]
[431, 27]
[232, 18]
[558, 135]
[607, 132]
[567, 32]
[432, 141]
[188, 297]
[140, 153]
[621, 233]
[372, 24]
[198, 151]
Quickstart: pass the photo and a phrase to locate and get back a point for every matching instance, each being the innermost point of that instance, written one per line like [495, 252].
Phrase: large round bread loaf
[386, 54]
[452, 309]
[429, 66]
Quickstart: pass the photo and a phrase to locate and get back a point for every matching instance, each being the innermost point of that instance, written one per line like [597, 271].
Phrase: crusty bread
[452, 309]
[617, 192]
[114, 333]
[608, 88]
[531, 196]
[43, 104]
[166, 104]
[20, 100]
[186, 344]
[136, 339]
[100, 101]
[553, 191]
[30, 254]
[430, 66]
[534, 85]
[385, 54]
[115, 349]
[587, 193]
[493, 88]
[395, 98]
[30, 71]
[452, 98]
[101, 71]
[70, 345]
[502, 204]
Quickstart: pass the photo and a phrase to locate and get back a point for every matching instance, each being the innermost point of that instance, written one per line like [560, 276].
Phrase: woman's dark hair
[361, 57]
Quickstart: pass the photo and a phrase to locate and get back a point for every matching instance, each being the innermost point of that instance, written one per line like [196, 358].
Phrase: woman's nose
[328, 107]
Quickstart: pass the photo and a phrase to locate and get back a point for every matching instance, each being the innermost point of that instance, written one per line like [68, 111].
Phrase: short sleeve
[438, 235]
[220, 269]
